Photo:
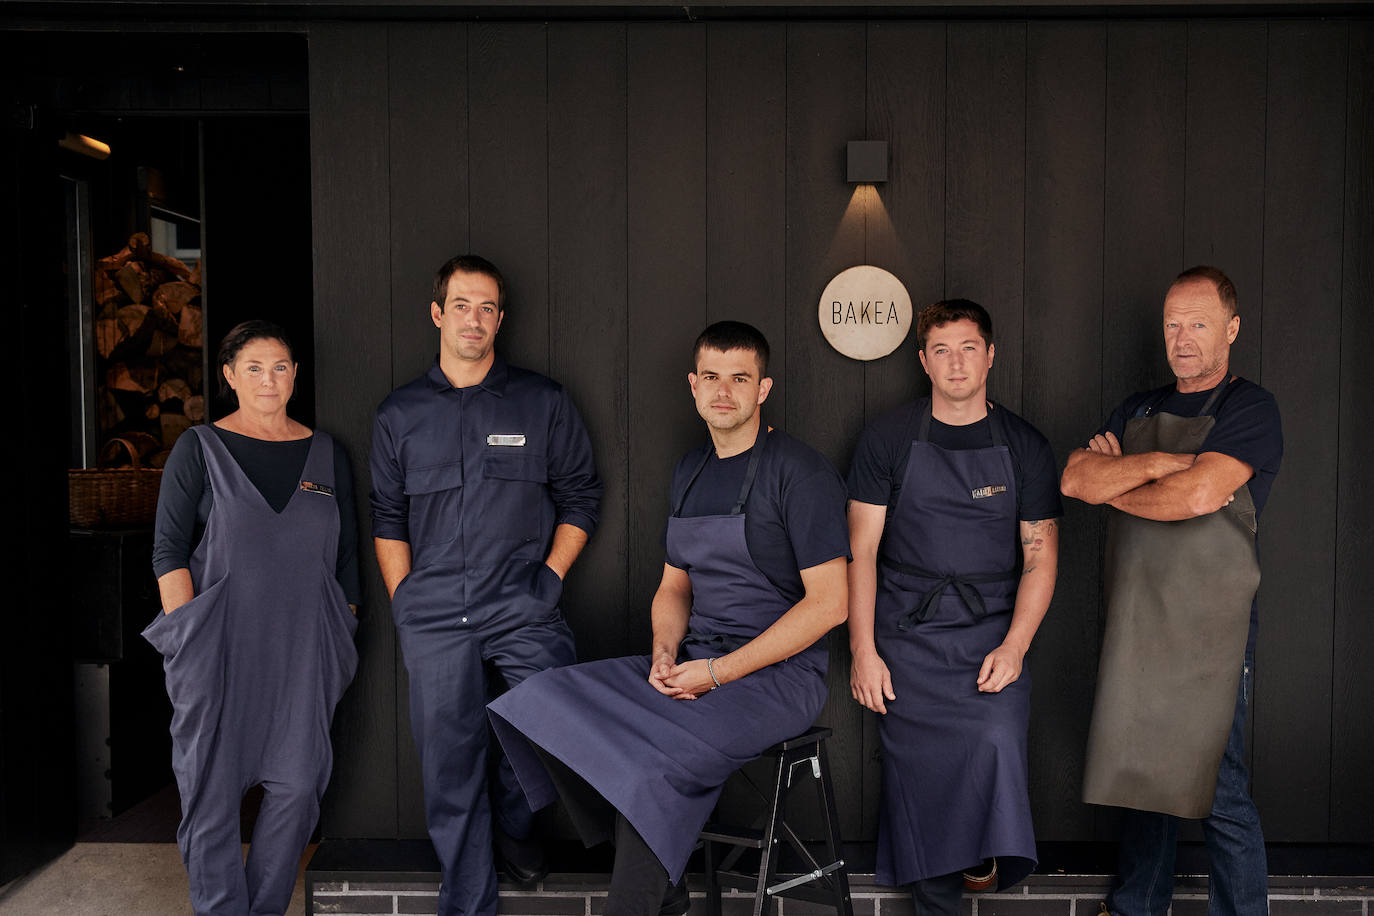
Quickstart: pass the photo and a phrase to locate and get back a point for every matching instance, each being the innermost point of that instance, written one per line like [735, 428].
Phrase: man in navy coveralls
[484, 493]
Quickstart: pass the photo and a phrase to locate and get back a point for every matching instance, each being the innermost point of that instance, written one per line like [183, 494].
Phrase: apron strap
[749, 474]
[963, 584]
[922, 424]
[1210, 408]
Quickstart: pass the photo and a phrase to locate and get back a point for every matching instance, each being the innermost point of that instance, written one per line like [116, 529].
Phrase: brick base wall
[1039, 895]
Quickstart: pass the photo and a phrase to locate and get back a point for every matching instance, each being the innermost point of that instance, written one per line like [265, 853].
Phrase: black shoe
[677, 901]
[521, 860]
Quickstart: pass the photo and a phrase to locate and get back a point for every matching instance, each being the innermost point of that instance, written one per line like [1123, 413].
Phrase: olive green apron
[1178, 611]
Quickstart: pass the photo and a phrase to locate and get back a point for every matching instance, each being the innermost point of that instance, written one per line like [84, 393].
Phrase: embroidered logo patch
[319, 488]
[985, 492]
[516, 439]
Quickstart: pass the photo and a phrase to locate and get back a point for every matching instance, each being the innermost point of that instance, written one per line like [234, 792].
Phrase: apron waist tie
[963, 584]
[716, 642]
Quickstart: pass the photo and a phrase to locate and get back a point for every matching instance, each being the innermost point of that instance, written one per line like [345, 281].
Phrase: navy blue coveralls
[476, 479]
[662, 762]
[954, 760]
[255, 664]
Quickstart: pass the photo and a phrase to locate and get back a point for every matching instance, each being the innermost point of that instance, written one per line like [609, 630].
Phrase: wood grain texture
[588, 309]
[825, 104]
[508, 156]
[1352, 745]
[985, 177]
[428, 134]
[667, 286]
[1225, 206]
[746, 190]
[350, 198]
[1065, 142]
[1303, 249]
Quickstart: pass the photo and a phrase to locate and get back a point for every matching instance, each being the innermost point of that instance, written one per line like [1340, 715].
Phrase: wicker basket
[112, 498]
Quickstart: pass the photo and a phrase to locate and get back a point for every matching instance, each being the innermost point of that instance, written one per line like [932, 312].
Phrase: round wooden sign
[865, 312]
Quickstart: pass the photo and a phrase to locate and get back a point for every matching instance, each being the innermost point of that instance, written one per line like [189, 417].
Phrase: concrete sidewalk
[112, 879]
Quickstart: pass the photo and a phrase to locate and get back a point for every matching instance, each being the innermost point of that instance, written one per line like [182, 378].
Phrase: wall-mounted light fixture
[867, 161]
[86, 146]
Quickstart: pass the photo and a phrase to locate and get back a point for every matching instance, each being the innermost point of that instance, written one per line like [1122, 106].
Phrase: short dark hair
[733, 335]
[240, 336]
[1226, 290]
[468, 264]
[947, 311]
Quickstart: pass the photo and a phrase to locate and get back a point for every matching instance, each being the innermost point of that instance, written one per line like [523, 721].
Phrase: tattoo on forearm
[1033, 534]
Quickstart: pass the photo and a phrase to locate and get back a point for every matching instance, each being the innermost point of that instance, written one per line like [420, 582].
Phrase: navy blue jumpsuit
[255, 664]
[954, 760]
[662, 762]
[475, 480]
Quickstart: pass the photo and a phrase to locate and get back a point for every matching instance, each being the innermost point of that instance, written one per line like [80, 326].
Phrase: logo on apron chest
[985, 492]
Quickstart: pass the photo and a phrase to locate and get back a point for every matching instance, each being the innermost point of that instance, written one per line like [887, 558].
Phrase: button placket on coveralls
[479, 594]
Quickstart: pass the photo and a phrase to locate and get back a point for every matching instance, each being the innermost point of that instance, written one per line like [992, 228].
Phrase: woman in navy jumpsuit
[256, 631]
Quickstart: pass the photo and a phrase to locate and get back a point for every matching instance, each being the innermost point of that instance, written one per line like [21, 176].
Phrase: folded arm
[1100, 473]
[1206, 486]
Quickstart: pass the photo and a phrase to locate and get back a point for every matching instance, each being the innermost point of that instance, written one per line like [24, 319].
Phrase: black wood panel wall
[638, 180]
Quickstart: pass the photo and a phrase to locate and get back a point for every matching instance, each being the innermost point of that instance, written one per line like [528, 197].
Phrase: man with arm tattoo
[943, 608]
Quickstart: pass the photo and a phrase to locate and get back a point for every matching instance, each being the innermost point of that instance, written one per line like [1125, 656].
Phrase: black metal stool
[799, 759]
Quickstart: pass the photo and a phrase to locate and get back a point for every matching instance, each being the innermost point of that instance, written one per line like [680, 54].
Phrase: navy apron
[1179, 596]
[662, 762]
[954, 760]
[255, 664]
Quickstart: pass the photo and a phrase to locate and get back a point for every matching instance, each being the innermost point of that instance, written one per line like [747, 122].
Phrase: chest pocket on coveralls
[435, 493]
[521, 509]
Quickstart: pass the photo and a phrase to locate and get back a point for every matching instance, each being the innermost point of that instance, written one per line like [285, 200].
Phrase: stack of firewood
[148, 333]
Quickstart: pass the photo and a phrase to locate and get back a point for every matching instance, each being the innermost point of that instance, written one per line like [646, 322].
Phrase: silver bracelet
[711, 669]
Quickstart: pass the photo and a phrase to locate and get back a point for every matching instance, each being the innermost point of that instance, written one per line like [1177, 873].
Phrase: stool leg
[768, 863]
[844, 905]
[708, 854]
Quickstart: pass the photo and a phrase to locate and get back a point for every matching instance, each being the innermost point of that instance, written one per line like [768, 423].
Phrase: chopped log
[131, 318]
[170, 264]
[106, 289]
[159, 459]
[172, 296]
[108, 335]
[173, 388]
[173, 425]
[123, 377]
[190, 333]
[153, 412]
[134, 279]
[140, 245]
[196, 275]
[161, 344]
[111, 415]
[194, 408]
[115, 261]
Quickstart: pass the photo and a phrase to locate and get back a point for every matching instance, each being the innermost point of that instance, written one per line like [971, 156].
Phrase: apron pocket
[169, 632]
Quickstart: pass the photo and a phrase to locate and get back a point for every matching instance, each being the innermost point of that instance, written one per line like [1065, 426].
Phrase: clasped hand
[686, 681]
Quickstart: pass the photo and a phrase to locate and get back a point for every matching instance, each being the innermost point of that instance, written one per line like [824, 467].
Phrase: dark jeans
[940, 896]
[1239, 876]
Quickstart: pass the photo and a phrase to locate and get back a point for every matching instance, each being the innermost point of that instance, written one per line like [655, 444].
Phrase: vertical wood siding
[637, 180]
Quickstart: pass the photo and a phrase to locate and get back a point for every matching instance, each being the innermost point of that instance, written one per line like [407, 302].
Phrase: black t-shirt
[794, 516]
[1248, 427]
[185, 499]
[879, 465]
